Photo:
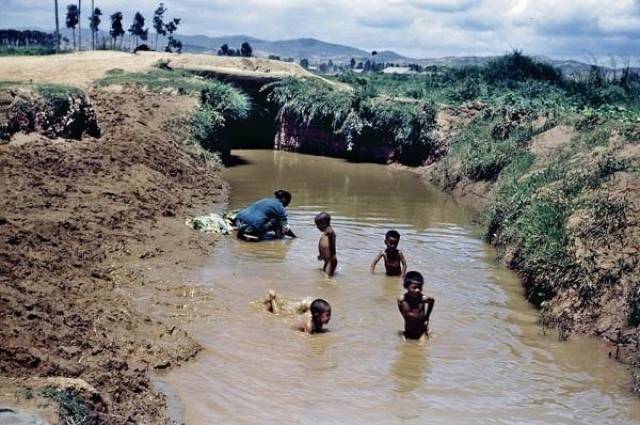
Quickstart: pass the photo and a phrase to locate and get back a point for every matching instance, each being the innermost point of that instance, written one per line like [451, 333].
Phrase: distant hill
[317, 51]
[298, 48]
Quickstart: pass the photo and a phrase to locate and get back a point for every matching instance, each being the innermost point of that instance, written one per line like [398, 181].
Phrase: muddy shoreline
[83, 223]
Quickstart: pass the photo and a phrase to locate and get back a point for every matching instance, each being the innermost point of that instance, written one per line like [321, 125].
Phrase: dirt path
[81, 69]
[81, 219]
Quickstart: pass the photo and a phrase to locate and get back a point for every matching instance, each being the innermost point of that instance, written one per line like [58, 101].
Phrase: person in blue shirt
[264, 217]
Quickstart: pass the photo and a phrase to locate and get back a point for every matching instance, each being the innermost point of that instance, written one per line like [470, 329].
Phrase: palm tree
[57, 27]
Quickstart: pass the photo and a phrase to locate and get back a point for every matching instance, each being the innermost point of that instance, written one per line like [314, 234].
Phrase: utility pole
[79, 25]
[93, 34]
[57, 28]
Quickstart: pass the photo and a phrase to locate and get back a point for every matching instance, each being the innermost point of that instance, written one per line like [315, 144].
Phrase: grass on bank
[220, 103]
[510, 80]
[30, 51]
[362, 121]
[532, 207]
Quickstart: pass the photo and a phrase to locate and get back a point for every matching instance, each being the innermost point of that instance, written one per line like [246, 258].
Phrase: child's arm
[401, 305]
[430, 302]
[403, 263]
[372, 269]
[332, 244]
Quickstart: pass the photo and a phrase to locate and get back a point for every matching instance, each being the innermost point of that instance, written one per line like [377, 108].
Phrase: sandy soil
[82, 220]
[82, 68]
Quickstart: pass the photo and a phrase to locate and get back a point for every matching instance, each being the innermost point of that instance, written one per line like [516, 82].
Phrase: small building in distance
[398, 70]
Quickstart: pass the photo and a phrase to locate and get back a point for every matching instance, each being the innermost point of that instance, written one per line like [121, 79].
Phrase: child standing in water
[415, 307]
[327, 244]
[394, 261]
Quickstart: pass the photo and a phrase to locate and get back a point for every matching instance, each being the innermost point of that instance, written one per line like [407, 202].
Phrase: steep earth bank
[80, 222]
[581, 193]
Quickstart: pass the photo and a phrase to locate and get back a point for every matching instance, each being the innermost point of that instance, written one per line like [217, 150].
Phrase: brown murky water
[487, 361]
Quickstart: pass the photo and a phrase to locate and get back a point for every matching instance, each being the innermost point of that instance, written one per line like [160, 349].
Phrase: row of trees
[137, 31]
[366, 66]
[27, 38]
[245, 50]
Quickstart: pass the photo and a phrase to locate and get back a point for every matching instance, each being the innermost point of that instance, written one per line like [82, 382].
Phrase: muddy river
[487, 361]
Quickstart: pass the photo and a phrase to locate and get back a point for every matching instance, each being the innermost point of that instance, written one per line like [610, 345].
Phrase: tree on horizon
[94, 23]
[172, 27]
[137, 29]
[116, 28]
[158, 22]
[224, 50]
[246, 50]
[72, 20]
[304, 62]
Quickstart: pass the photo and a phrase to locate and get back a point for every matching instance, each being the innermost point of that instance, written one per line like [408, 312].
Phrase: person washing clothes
[265, 218]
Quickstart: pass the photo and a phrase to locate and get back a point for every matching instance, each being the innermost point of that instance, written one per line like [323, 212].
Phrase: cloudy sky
[417, 28]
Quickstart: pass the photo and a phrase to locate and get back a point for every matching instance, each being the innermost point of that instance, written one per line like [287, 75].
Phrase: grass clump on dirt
[54, 110]
[220, 103]
[72, 409]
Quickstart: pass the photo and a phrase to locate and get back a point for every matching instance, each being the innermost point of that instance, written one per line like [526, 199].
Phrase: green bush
[311, 101]
[206, 128]
[220, 103]
[365, 121]
[516, 66]
[71, 406]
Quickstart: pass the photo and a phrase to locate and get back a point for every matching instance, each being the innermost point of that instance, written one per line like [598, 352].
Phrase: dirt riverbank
[81, 221]
[589, 174]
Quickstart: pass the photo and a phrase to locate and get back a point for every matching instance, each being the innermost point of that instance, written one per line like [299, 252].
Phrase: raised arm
[372, 268]
[403, 263]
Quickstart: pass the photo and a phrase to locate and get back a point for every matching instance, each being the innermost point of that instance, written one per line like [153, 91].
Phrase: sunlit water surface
[487, 361]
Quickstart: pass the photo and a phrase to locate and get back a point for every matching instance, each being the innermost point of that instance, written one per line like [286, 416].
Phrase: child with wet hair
[394, 261]
[415, 307]
[320, 315]
[311, 315]
[326, 244]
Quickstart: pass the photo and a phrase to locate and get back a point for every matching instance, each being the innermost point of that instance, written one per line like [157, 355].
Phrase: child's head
[283, 196]
[323, 220]
[320, 312]
[392, 239]
[413, 282]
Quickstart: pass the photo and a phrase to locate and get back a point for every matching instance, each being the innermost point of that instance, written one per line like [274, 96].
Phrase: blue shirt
[261, 212]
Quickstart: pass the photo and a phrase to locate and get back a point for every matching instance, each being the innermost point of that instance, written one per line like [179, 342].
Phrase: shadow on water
[235, 160]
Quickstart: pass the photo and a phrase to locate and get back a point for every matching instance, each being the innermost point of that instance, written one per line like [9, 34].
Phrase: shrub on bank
[53, 110]
[365, 122]
[220, 103]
